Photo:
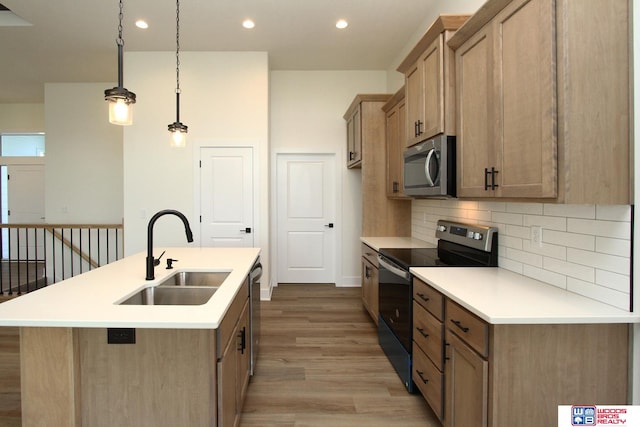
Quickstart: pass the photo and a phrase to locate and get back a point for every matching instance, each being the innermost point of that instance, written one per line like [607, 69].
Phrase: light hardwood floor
[319, 365]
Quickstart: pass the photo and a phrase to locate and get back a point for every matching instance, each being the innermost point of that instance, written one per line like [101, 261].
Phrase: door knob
[246, 230]
[330, 225]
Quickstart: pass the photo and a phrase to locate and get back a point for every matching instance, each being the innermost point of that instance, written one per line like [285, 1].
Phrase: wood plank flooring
[320, 365]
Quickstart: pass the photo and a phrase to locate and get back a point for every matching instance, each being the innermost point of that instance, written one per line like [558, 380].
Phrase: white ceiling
[74, 40]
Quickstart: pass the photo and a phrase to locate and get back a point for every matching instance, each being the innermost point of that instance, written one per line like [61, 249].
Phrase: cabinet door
[466, 385]
[432, 75]
[354, 139]
[475, 131]
[395, 136]
[525, 64]
[243, 350]
[414, 103]
[227, 394]
[370, 289]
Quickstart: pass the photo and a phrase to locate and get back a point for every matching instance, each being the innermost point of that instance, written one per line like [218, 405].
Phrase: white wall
[224, 102]
[306, 117]
[83, 165]
[19, 118]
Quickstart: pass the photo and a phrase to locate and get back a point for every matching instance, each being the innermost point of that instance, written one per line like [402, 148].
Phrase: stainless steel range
[459, 245]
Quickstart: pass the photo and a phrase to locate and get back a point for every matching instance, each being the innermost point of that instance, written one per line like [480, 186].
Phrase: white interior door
[226, 186]
[23, 186]
[306, 218]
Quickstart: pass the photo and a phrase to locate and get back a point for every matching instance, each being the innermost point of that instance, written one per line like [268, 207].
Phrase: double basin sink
[182, 288]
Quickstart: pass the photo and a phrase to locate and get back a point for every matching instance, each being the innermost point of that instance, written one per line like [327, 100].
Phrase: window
[23, 145]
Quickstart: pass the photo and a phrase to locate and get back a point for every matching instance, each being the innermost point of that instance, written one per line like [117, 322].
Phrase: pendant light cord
[120, 40]
[177, 46]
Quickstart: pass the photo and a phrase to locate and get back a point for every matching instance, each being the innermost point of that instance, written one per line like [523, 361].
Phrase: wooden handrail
[73, 247]
[47, 225]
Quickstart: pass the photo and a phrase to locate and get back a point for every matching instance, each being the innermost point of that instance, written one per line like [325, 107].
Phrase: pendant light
[178, 130]
[120, 99]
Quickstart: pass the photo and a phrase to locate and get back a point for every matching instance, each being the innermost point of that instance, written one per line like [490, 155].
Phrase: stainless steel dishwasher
[254, 309]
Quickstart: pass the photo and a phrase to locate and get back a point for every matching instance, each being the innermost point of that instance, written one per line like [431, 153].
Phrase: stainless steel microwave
[430, 168]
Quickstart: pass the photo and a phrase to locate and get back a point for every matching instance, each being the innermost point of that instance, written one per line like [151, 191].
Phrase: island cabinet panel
[543, 101]
[48, 368]
[164, 379]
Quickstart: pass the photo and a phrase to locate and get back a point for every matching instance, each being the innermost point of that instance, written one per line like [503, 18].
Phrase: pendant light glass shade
[120, 109]
[178, 135]
[178, 130]
[120, 99]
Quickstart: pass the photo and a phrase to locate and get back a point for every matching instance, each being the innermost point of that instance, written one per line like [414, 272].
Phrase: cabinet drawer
[427, 334]
[370, 254]
[429, 298]
[471, 329]
[428, 379]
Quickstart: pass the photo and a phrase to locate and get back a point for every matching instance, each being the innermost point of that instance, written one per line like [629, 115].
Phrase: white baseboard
[350, 282]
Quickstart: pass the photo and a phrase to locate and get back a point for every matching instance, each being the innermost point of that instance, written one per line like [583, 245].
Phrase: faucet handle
[156, 261]
[170, 261]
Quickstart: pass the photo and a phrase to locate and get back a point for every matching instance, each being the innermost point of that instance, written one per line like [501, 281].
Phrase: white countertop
[500, 296]
[90, 300]
[395, 242]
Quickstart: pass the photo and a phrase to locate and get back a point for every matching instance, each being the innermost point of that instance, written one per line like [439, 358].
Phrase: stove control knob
[442, 228]
[477, 236]
[470, 234]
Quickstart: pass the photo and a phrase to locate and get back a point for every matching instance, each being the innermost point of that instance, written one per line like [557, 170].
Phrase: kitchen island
[495, 348]
[188, 365]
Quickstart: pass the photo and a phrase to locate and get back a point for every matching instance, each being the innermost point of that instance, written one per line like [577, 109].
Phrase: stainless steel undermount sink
[196, 278]
[165, 295]
[182, 288]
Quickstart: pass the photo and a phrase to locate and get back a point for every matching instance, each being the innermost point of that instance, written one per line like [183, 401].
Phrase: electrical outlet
[121, 336]
[536, 236]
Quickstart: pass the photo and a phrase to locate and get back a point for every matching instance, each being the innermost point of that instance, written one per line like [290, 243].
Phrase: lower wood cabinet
[505, 375]
[233, 361]
[467, 379]
[370, 281]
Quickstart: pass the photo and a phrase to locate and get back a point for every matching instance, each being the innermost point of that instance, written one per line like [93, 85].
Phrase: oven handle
[393, 268]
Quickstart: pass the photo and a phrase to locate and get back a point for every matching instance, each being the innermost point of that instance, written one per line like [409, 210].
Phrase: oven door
[395, 300]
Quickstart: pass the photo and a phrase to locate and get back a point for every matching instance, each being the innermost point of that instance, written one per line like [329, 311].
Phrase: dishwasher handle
[387, 264]
[256, 273]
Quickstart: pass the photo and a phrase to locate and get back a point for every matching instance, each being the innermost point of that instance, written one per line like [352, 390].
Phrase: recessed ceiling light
[141, 23]
[342, 24]
[248, 24]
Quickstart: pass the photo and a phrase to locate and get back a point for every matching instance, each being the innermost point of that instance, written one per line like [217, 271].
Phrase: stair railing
[38, 255]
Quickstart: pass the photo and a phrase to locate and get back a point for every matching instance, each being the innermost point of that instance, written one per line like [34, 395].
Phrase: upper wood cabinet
[542, 97]
[354, 138]
[395, 110]
[381, 216]
[429, 80]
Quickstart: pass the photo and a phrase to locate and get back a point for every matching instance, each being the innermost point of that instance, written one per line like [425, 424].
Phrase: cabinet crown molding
[445, 22]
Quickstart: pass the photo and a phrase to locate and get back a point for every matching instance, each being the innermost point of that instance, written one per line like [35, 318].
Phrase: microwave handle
[426, 168]
[392, 268]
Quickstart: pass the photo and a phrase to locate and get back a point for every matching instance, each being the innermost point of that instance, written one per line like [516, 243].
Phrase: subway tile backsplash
[585, 249]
